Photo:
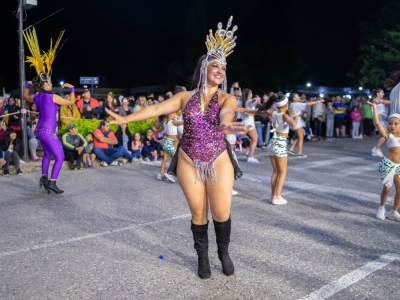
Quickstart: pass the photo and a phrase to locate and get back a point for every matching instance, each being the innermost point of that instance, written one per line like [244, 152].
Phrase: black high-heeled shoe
[53, 187]
[44, 181]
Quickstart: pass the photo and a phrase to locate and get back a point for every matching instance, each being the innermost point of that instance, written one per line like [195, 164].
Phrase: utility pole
[22, 79]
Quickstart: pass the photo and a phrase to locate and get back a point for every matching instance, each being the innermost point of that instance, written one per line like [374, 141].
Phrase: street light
[360, 88]
[308, 84]
[61, 83]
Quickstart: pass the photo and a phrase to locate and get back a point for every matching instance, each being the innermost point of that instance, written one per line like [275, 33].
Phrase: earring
[224, 86]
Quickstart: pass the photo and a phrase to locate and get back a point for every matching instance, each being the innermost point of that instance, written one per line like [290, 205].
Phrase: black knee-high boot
[200, 237]
[223, 234]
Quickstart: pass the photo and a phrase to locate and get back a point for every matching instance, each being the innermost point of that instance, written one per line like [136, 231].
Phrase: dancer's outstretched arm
[171, 105]
[315, 102]
[382, 130]
[254, 112]
[66, 102]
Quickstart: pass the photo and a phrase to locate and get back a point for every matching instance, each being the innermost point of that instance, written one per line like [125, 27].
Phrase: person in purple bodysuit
[47, 105]
[203, 162]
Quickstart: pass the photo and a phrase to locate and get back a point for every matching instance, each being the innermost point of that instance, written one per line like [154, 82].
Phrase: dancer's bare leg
[274, 176]
[300, 138]
[282, 170]
[254, 137]
[396, 203]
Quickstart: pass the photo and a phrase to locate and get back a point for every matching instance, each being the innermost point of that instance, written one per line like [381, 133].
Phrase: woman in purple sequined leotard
[46, 103]
[204, 169]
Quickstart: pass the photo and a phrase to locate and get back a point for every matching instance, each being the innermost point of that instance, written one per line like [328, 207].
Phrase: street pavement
[119, 233]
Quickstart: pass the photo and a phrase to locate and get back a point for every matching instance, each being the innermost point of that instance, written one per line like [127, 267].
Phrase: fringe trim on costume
[205, 171]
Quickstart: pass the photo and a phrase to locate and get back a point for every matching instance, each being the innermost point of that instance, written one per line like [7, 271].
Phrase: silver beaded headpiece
[218, 48]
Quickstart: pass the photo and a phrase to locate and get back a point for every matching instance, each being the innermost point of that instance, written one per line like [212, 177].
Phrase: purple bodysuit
[46, 133]
[202, 139]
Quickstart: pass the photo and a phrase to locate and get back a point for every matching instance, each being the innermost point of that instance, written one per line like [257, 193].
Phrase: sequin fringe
[205, 171]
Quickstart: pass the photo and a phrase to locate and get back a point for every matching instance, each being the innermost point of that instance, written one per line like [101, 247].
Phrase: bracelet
[72, 90]
[27, 85]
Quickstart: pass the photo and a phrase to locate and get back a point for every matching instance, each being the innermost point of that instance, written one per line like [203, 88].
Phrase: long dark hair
[39, 81]
[196, 75]
[392, 81]
[245, 93]
[375, 92]
[7, 140]
[292, 95]
[278, 97]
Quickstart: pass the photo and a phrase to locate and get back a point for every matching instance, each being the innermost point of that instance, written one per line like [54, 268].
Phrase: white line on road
[326, 162]
[321, 188]
[336, 286]
[90, 236]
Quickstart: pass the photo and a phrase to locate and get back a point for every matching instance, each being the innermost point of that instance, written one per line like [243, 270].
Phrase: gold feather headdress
[41, 62]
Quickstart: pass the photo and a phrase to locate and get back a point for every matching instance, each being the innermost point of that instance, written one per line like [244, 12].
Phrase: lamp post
[308, 84]
[22, 79]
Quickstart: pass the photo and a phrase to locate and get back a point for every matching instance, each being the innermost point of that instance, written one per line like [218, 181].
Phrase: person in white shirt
[248, 121]
[380, 105]
[318, 114]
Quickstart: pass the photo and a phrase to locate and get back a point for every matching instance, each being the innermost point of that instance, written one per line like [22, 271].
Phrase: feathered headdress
[41, 62]
[218, 48]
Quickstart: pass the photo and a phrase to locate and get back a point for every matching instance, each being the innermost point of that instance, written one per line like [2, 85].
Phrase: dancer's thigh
[220, 192]
[194, 190]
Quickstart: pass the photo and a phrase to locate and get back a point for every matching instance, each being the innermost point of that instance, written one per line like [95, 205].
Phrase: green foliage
[85, 126]
[379, 52]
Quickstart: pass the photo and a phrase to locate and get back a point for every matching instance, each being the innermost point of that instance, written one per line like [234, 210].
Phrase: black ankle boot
[223, 234]
[52, 186]
[200, 237]
[44, 181]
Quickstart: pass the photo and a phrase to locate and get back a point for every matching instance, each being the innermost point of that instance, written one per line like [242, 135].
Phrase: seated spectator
[151, 145]
[124, 138]
[33, 141]
[137, 145]
[68, 114]
[89, 156]
[32, 113]
[3, 129]
[2, 108]
[104, 142]
[13, 150]
[74, 146]
[87, 106]
[125, 109]
[110, 104]
[140, 104]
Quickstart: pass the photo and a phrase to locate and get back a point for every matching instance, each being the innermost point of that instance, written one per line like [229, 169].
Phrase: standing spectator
[99, 112]
[356, 118]
[89, 156]
[168, 95]
[368, 124]
[87, 105]
[68, 114]
[258, 121]
[33, 141]
[2, 108]
[104, 142]
[150, 145]
[266, 122]
[110, 104]
[318, 114]
[235, 87]
[377, 98]
[132, 101]
[74, 146]
[140, 103]
[308, 109]
[330, 120]
[125, 109]
[14, 121]
[13, 150]
[161, 99]
[340, 109]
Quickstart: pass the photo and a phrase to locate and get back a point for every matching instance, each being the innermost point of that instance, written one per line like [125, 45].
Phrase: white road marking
[336, 286]
[90, 236]
[321, 188]
[326, 162]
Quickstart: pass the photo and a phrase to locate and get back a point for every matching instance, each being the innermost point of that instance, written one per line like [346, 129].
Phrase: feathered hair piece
[41, 62]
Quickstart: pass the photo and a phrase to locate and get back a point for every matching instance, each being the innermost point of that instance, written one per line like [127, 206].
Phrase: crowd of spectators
[336, 118]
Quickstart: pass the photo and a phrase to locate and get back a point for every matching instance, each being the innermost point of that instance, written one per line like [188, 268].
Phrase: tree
[379, 52]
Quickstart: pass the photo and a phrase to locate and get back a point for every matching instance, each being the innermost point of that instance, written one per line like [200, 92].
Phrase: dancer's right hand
[118, 120]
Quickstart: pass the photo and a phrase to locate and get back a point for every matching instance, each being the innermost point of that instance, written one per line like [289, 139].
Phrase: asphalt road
[118, 233]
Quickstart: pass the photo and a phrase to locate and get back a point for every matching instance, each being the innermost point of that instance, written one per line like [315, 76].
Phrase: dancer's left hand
[233, 128]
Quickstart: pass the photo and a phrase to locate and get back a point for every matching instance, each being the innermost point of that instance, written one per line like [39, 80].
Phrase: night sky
[131, 42]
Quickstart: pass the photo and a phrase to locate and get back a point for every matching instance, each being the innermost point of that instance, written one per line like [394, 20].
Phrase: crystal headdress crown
[222, 44]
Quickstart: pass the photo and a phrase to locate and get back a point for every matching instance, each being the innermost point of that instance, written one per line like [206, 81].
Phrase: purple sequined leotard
[202, 140]
[46, 133]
